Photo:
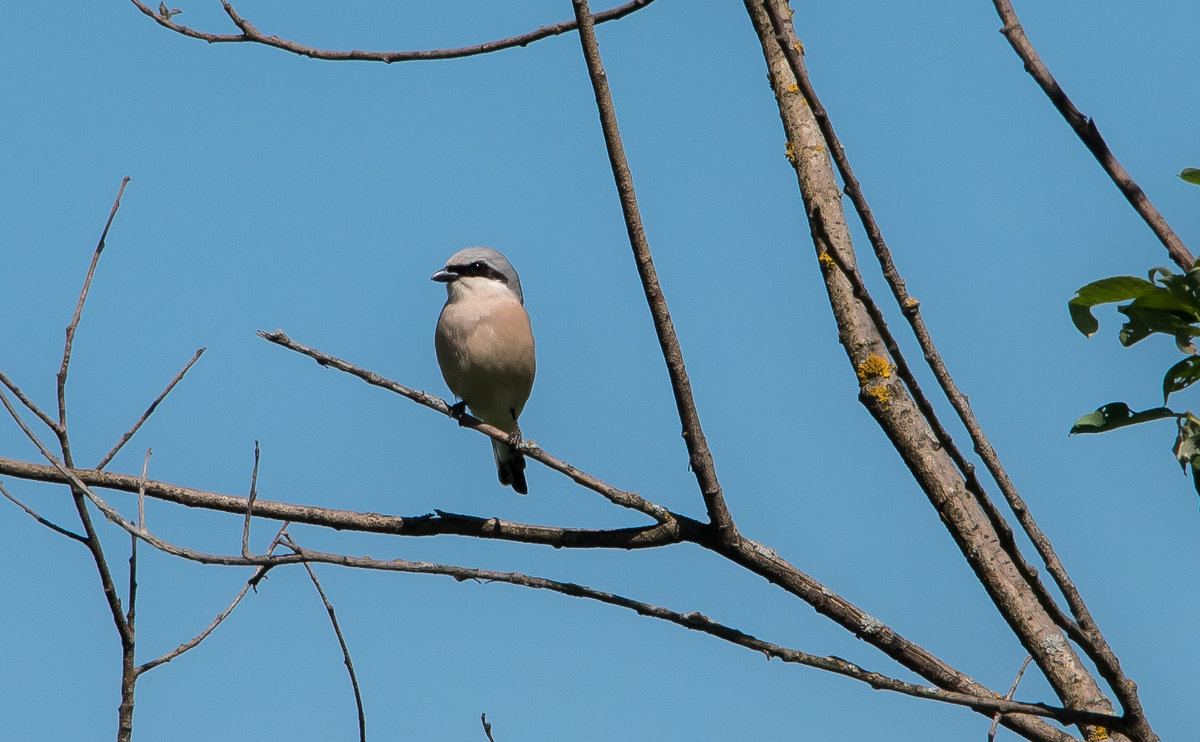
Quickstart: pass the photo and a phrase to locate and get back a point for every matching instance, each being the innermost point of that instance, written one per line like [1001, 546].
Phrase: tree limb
[1085, 128]
[250, 34]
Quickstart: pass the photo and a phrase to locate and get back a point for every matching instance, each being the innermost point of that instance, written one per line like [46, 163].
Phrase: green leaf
[1181, 376]
[1105, 291]
[1117, 415]
[1145, 321]
[1191, 175]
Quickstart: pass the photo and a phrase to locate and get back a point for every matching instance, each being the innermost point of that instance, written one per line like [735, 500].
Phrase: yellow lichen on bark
[873, 367]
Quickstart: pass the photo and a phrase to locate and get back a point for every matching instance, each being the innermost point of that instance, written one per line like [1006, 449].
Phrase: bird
[485, 349]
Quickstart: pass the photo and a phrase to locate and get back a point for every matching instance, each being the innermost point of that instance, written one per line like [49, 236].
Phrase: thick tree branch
[894, 409]
[431, 524]
[1085, 632]
[1085, 128]
[250, 34]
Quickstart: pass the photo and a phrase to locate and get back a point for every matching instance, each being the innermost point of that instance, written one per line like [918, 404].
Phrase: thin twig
[699, 455]
[630, 500]
[33, 514]
[133, 542]
[71, 328]
[251, 34]
[142, 489]
[487, 728]
[41, 415]
[149, 411]
[337, 629]
[1012, 691]
[250, 503]
[1085, 128]
[195, 641]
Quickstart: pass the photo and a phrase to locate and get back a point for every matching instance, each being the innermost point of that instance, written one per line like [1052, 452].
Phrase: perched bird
[484, 346]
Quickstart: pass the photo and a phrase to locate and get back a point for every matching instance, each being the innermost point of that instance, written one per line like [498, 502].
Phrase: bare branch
[1012, 691]
[745, 552]
[61, 429]
[251, 34]
[250, 503]
[894, 409]
[630, 500]
[1085, 128]
[1003, 529]
[431, 524]
[91, 540]
[133, 542]
[699, 456]
[149, 411]
[33, 514]
[989, 703]
[697, 622]
[487, 728]
[337, 629]
[195, 641]
[29, 405]
[1083, 629]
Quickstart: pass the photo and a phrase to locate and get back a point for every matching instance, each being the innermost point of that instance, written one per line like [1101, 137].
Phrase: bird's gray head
[483, 262]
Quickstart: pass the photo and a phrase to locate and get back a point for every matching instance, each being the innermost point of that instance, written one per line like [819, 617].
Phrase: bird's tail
[510, 466]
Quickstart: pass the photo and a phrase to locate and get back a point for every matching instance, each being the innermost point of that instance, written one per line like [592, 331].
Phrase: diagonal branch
[195, 640]
[61, 429]
[34, 514]
[29, 404]
[149, 411]
[1085, 632]
[985, 702]
[630, 500]
[90, 538]
[251, 34]
[1085, 128]
[889, 402]
[699, 456]
[337, 630]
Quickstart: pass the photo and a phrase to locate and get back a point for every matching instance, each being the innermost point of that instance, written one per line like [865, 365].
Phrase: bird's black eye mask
[477, 268]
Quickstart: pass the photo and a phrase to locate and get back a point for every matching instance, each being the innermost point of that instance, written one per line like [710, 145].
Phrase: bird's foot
[458, 411]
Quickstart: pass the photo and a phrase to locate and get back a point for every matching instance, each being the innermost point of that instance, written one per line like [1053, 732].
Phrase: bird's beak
[443, 276]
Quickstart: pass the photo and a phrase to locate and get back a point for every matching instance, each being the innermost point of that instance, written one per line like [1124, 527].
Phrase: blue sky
[271, 191]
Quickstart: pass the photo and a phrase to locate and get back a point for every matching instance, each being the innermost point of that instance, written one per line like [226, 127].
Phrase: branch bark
[699, 456]
[890, 403]
[250, 34]
[1085, 128]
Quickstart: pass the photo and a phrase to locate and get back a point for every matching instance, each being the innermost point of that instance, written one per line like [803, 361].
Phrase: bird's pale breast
[486, 352]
